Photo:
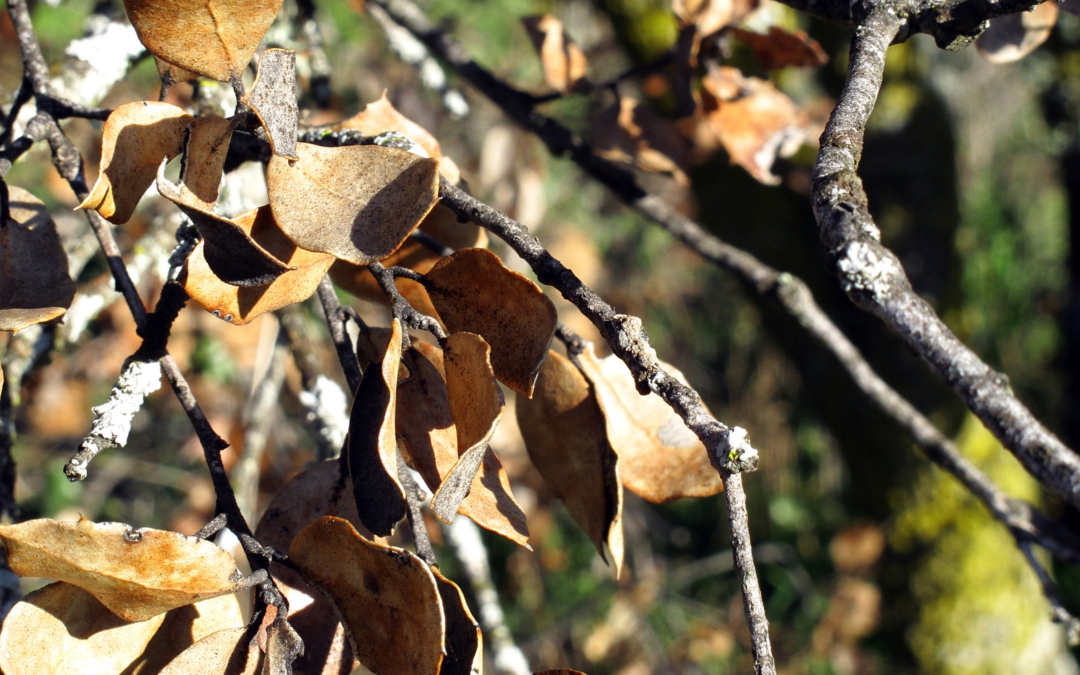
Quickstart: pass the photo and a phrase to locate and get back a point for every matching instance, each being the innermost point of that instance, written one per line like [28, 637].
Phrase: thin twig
[399, 306]
[335, 321]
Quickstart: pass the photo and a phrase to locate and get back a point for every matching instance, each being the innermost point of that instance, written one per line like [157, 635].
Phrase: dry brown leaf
[63, 630]
[136, 138]
[372, 444]
[560, 671]
[1014, 36]
[752, 119]
[381, 116]
[563, 61]
[660, 459]
[214, 38]
[241, 304]
[273, 98]
[709, 16]
[34, 281]
[137, 574]
[426, 428]
[386, 597]
[230, 251]
[476, 404]
[226, 652]
[445, 227]
[475, 293]
[630, 132]
[781, 48]
[357, 202]
[204, 158]
[183, 627]
[567, 441]
[464, 642]
[322, 490]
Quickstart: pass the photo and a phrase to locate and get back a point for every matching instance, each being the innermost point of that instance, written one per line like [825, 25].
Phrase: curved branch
[874, 278]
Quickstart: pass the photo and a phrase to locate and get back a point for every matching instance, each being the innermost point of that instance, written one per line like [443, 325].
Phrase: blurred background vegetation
[871, 560]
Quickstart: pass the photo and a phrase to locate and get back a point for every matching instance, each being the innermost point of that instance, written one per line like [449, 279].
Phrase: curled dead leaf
[386, 597]
[241, 304]
[781, 48]
[231, 253]
[173, 74]
[1014, 36]
[381, 116]
[567, 441]
[204, 159]
[34, 282]
[563, 61]
[358, 203]
[464, 642]
[752, 120]
[371, 446]
[214, 38]
[426, 427]
[476, 404]
[322, 490]
[63, 630]
[138, 574]
[136, 138]
[475, 293]
[660, 459]
[273, 98]
[630, 132]
[226, 652]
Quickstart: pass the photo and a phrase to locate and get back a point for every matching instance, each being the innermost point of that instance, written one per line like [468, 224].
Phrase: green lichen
[980, 607]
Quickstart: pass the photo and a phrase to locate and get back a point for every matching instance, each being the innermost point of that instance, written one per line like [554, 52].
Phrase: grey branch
[874, 278]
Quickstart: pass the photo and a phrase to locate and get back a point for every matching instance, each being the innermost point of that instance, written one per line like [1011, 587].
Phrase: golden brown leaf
[280, 643]
[475, 293]
[563, 61]
[226, 652]
[381, 116]
[567, 441]
[385, 596]
[228, 248]
[1014, 36]
[273, 98]
[241, 304]
[464, 642]
[322, 490]
[63, 630]
[357, 202]
[709, 16]
[137, 574]
[781, 48]
[372, 444]
[476, 404]
[630, 132]
[426, 428]
[444, 226]
[660, 459]
[204, 159]
[136, 138]
[214, 38]
[34, 281]
[752, 119]
[183, 627]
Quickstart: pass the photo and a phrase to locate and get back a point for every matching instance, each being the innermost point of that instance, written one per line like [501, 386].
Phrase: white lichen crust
[865, 270]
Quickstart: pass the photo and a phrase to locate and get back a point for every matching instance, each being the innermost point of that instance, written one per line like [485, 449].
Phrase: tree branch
[874, 278]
